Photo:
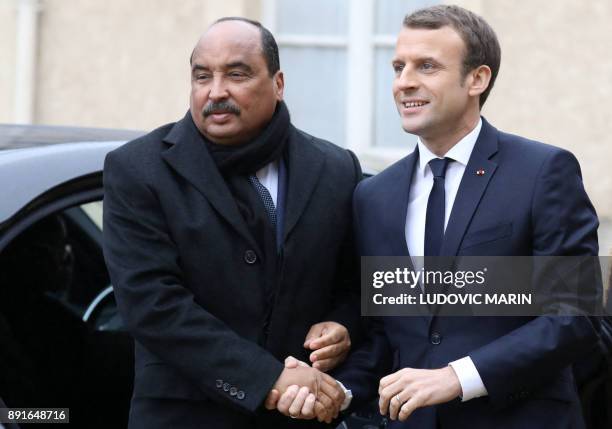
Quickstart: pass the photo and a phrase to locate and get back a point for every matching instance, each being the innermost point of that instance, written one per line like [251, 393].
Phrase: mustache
[220, 107]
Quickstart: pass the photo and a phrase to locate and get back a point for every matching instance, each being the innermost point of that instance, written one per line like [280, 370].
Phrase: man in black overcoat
[228, 239]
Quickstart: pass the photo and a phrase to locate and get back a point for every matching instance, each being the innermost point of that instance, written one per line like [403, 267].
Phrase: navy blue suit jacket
[530, 201]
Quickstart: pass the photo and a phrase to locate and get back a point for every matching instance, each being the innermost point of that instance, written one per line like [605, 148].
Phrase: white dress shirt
[422, 183]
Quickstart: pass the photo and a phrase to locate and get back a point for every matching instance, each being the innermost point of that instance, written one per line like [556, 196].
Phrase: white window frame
[360, 44]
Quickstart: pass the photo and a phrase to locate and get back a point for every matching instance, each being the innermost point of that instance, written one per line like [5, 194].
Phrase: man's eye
[237, 75]
[202, 76]
[427, 66]
[397, 68]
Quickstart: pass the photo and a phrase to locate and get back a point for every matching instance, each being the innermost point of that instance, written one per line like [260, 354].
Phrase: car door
[62, 340]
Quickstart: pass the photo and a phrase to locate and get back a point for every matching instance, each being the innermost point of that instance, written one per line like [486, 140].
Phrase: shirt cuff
[471, 383]
[348, 396]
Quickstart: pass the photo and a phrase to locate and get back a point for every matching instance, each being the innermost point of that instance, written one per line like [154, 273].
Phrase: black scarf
[247, 158]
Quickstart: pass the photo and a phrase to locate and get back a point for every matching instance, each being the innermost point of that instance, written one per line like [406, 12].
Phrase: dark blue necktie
[434, 222]
[266, 198]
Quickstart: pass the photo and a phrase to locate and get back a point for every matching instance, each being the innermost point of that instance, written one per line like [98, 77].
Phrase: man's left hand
[408, 389]
[331, 343]
[299, 403]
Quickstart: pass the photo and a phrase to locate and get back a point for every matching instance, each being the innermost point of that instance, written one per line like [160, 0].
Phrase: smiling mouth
[408, 104]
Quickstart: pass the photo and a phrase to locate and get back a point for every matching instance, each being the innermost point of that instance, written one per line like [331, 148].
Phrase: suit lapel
[471, 188]
[305, 162]
[394, 215]
[189, 157]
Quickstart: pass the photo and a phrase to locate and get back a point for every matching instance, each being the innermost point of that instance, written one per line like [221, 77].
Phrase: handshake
[305, 392]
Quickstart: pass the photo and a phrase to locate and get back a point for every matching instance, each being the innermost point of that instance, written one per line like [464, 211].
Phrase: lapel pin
[480, 172]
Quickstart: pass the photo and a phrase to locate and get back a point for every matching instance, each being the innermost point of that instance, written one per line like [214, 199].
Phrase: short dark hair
[482, 46]
[268, 43]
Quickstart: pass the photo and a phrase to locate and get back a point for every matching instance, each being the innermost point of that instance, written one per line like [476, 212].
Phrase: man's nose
[218, 89]
[407, 80]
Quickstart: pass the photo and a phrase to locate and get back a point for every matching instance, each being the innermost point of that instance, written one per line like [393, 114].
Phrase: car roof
[23, 136]
[36, 159]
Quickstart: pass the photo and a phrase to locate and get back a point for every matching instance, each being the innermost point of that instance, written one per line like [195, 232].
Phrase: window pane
[390, 13]
[387, 127]
[313, 17]
[94, 211]
[315, 90]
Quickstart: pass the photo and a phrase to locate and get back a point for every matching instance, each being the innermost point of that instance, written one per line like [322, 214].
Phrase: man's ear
[478, 80]
[279, 85]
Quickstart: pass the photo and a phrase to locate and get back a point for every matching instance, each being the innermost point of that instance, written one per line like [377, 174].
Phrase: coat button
[436, 338]
[233, 391]
[250, 257]
[240, 395]
[219, 384]
[226, 387]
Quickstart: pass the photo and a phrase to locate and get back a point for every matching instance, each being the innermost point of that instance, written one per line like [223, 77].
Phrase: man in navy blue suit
[469, 190]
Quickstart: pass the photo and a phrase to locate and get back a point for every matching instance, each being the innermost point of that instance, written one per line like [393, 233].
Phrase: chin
[411, 128]
[220, 132]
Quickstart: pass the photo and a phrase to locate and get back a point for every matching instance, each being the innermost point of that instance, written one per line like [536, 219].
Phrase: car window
[94, 211]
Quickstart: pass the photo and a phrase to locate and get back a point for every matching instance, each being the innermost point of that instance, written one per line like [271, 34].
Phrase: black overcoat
[188, 275]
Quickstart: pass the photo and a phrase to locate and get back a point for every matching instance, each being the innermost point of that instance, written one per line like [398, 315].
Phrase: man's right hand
[304, 392]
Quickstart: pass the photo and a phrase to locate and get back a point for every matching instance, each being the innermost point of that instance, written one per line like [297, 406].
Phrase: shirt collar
[460, 152]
